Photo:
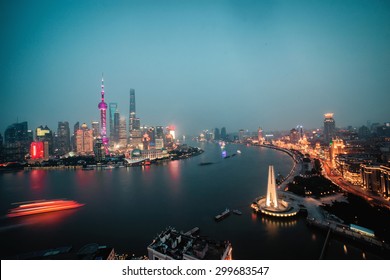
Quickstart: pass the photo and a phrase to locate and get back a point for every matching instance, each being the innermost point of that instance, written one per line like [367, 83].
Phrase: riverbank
[295, 170]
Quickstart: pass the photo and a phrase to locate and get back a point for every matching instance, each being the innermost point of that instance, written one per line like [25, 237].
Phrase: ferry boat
[222, 215]
[42, 206]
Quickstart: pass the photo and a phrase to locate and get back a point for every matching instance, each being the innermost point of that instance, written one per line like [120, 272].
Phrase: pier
[345, 231]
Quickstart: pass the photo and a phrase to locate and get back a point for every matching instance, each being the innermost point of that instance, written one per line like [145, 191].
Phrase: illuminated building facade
[37, 150]
[336, 147]
[260, 137]
[135, 138]
[84, 140]
[122, 132]
[103, 118]
[294, 136]
[45, 134]
[329, 127]
[159, 143]
[95, 129]
[145, 142]
[376, 178]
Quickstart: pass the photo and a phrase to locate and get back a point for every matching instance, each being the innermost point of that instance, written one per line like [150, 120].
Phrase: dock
[344, 230]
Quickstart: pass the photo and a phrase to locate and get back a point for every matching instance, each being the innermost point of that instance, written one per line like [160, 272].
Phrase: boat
[205, 163]
[238, 152]
[42, 206]
[222, 215]
[237, 212]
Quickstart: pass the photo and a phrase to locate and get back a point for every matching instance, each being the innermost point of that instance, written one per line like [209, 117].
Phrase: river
[127, 207]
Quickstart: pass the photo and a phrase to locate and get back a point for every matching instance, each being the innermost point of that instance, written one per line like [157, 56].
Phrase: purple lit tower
[103, 108]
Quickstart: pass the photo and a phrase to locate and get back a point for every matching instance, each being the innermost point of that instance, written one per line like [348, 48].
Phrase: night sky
[196, 64]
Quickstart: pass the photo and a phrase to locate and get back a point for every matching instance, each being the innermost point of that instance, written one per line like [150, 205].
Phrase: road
[346, 186]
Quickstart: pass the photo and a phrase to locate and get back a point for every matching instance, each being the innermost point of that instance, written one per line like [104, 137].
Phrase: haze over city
[196, 64]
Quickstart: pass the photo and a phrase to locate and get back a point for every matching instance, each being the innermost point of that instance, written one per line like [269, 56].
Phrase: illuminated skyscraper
[112, 110]
[260, 137]
[122, 131]
[44, 134]
[103, 118]
[84, 140]
[329, 127]
[95, 128]
[134, 123]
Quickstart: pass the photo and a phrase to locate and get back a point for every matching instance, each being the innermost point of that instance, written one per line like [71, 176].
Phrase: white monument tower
[272, 197]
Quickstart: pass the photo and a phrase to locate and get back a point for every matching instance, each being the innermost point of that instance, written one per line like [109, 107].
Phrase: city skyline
[194, 65]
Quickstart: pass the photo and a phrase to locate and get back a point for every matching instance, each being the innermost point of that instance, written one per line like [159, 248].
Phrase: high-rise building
[241, 135]
[117, 127]
[151, 132]
[329, 127]
[113, 107]
[223, 133]
[171, 131]
[73, 137]
[84, 140]
[44, 134]
[96, 129]
[294, 136]
[103, 119]
[217, 135]
[39, 150]
[63, 138]
[260, 136]
[122, 132]
[132, 109]
[159, 137]
[17, 141]
[159, 132]
[135, 137]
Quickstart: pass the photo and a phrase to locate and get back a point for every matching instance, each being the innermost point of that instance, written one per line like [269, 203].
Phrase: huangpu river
[126, 208]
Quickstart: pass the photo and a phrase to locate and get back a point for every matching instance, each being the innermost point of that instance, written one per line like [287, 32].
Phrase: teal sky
[197, 64]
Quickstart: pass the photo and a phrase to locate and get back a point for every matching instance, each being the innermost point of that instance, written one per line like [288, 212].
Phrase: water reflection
[174, 170]
[254, 217]
[271, 223]
[37, 178]
[345, 249]
[45, 219]
[84, 178]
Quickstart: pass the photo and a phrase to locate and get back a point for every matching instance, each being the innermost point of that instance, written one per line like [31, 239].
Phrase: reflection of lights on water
[345, 249]
[254, 216]
[278, 223]
[313, 237]
[364, 256]
[224, 153]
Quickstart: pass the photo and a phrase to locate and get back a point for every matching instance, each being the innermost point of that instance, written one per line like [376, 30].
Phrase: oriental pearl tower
[103, 130]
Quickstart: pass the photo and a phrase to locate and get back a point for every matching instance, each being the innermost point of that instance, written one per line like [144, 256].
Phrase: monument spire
[272, 198]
